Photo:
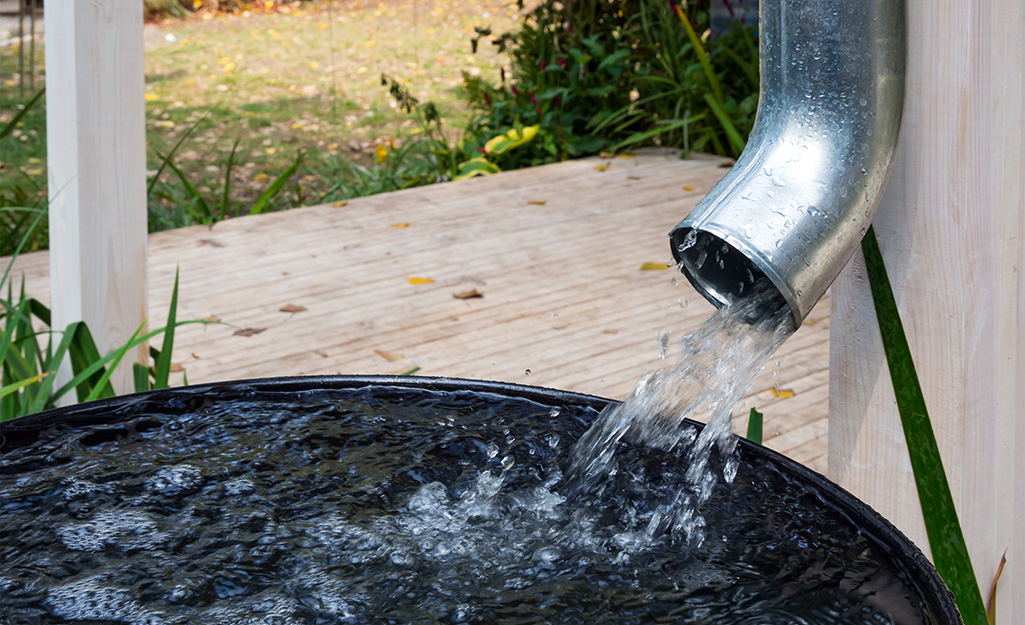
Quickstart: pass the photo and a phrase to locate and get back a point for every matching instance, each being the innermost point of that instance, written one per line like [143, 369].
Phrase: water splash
[717, 364]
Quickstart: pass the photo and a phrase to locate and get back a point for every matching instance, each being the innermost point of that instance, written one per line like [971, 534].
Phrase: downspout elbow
[794, 207]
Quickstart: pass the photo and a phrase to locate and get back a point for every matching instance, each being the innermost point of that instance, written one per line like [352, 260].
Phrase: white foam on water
[175, 480]
[91, 599]
[125, 529]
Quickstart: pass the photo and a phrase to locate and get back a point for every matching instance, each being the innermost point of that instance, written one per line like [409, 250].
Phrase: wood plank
[96, 154]
[952, 232]
[564, 295]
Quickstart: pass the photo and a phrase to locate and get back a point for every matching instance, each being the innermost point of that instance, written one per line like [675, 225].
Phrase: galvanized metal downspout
[800, 197]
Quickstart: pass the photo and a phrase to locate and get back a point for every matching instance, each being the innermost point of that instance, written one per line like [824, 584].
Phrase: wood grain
[951, 227]
[563, 291]
[96, 154]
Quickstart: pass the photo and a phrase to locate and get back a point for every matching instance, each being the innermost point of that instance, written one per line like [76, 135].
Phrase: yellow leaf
[314, 65]
[626, 156]
[34, 160]
[339, 203]
[228, 67]
[421, 280]
[270, 151]
[292, 308]
[537, 202]
[654, 266]
[151, 97]
[404, 224]
[261, 177]
[781, 392]
[321, 25]
[688, 187]
[297, 125]
[601, 166]
[382, 153]
[388, 355]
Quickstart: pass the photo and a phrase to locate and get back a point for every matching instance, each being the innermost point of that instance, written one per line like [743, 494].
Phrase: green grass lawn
[303, 78]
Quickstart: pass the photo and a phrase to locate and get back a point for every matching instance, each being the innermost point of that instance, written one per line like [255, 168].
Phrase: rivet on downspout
[799, 199]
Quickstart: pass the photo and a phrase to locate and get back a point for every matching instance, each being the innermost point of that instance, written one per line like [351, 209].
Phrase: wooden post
[96, 151]
[951, 227]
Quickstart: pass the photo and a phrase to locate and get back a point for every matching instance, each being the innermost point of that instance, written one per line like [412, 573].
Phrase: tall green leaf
[949, 550]
[754, 427]
[163, 366]
[9, 127]
[275, 186]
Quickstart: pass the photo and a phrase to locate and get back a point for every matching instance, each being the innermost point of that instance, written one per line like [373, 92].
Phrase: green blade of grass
[275, 186]
[9, 127]
[140, 377]
[83, 351]
[163, 363]
[203, 209]
[706, 65]
[12, 388]
[225, 201]
[118, 354]
[754, 426]
[949, 550]
[165, 160]
[736, 141]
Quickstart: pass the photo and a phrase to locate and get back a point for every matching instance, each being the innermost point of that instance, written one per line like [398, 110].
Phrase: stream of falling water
[717, 364]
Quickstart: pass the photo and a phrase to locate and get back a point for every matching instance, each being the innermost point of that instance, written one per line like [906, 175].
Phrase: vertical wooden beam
[952, 230]
[96, 151]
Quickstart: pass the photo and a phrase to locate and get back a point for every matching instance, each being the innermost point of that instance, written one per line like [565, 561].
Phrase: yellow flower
[382, 153]
[151, 97]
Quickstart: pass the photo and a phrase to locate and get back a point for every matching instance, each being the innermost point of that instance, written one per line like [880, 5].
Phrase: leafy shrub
[611, 74]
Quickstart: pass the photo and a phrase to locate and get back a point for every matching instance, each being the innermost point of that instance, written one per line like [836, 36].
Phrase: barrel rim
[938, 597]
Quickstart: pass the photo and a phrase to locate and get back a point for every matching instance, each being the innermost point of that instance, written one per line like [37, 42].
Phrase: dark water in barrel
[389, 505]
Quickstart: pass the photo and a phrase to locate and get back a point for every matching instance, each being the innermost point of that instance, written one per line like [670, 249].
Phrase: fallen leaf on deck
[605, 154]
[388, 355]
[249, 331]
[320, 353]
[421, 280]
[471, 294]
[688, 187]
[339, 203]
[782, 392]
[176, 368]
[601, 166]
[609, 331]
[633, 177]
[537, 202]
[726, 165]
[654, 266]
[404, 224]
[411, 371]
[209, 242]
[212, 319]
[626, 156]
[195, 355]
[292, 308]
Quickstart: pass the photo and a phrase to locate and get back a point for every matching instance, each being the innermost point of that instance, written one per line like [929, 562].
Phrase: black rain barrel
[368, 499]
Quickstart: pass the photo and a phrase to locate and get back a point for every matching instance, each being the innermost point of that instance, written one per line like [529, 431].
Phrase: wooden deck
[555, 251]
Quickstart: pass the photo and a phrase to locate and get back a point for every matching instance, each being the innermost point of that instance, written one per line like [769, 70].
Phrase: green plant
[946, 540]
[617, 74]
[754, 426]
[31, 353]
[191, 206]
[22, 201]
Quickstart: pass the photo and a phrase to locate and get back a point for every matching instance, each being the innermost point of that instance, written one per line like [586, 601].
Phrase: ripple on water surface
[388, 505]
